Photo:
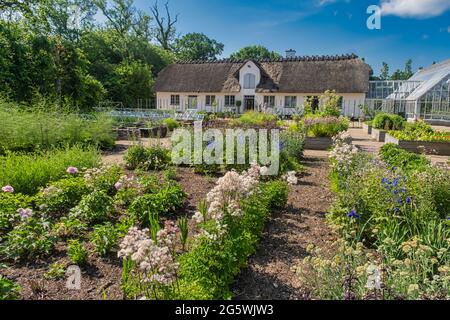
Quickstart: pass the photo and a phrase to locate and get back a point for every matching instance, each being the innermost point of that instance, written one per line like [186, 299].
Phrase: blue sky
[416, 29]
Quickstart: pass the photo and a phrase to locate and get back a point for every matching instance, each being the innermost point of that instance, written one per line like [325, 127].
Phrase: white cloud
[415, 8]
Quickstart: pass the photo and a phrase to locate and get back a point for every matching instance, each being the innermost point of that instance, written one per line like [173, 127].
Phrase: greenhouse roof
[430, 76]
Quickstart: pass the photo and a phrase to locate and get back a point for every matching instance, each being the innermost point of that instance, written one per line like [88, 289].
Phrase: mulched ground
[101, 278]
[271, 271]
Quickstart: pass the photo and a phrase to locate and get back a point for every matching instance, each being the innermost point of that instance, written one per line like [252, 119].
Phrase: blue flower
[409, 200]
[448, 218]
[353, 215]
[396, 210]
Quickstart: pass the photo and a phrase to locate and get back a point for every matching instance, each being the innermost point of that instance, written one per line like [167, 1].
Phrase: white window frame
[230, 99]
[249, 81]
[269, 101]
[174, 99]
[290, 101]
[189, 106]
[210, 100]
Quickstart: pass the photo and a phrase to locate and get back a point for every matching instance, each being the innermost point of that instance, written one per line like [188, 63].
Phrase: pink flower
[118, 186]
[25, 213]
[8, 189]
[72, 170]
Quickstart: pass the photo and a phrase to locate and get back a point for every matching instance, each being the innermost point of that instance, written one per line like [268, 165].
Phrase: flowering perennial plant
[291, 178]
[154, 263]
[342, 153]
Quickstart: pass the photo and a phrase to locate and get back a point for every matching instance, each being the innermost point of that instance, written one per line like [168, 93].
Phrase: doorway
[249, 103]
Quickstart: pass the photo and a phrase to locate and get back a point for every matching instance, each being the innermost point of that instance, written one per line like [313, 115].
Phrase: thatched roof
[345, 74]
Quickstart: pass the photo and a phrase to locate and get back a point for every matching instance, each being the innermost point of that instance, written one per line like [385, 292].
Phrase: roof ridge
[293, 59]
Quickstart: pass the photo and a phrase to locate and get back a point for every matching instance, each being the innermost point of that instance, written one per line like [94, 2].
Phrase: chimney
[291, 53]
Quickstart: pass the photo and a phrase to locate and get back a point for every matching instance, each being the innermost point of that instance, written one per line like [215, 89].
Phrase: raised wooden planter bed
[156, 132]
[321, 143]
[378, 135]
[367, 128]
[435, 148]
[127, 133]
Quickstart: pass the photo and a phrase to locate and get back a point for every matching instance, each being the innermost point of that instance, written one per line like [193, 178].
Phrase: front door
[249, 103]
[192, 102]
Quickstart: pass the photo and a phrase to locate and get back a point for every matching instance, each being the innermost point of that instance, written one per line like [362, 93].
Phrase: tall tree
[120, 15]
[256, 52]
[165, 29]
[197, 46]
[384, 75]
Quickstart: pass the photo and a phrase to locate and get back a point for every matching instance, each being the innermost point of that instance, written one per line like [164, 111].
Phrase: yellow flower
[413, 288]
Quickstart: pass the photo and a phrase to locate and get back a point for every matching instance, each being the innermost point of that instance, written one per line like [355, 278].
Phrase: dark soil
[271, 273]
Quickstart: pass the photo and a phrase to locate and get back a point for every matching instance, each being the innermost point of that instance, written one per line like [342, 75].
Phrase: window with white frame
[249, 81]
[175, 100]
[230, 101]
[290, 102]
[210, 100]
[269, 101]
[192, 102]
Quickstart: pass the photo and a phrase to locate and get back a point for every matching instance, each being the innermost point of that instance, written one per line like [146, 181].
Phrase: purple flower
[409, 200]
[72, 170]
[396, 210]
[353, 215]
[8, 189]
[25, 213]
[118, 186]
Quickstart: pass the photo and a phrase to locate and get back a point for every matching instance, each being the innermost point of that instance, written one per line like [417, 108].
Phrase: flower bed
[441, 148]
[394, 224]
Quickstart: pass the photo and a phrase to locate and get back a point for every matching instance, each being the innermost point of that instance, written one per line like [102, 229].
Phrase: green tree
[384, 75]
[255, 52]
[197, 46]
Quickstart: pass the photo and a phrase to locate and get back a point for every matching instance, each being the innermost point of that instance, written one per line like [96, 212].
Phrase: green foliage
[171, 124]
[69, 227]
[197, 46]
[331, 104]
[29, 240]
[183, 224]
[407, 161]
[9, 204]
[93, 208]
[385, 121]
[420, 131]
[56, 271]
[208, 269]
[104, 178]
[152, 158]
[292, 143]
[104, 238]
[44, 127]
[254, 118]
[28, 173]
[8, 289]
[165, 201]
[255, 52]
[276, 194]
[62, 195]
[77, 253]
[320, 126]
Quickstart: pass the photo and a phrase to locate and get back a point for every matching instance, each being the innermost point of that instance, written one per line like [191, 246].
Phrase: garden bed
[318, 143]
[378, 135]
[427, 147]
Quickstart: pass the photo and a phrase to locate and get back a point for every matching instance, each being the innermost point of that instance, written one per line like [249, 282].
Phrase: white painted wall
[251, 68]
[350, 101]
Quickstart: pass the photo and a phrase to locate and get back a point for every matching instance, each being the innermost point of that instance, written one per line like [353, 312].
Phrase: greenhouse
[424, 96]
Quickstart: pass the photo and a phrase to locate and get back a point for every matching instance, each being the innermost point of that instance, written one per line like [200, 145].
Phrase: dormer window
[249, 81]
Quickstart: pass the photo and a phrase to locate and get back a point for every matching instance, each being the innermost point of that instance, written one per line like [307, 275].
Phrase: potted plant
[238, 106]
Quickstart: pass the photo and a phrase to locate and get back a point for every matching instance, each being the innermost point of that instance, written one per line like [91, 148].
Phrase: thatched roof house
[249, 81]
[345, 74]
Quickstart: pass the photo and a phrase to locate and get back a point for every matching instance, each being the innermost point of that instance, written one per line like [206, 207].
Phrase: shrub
[69, 227]
[292, 142]
[56, 271]
[28, 240]
[254, 118]
[28, 173]
[171, 124]
[153, 158]
[165, 201]
[385, 121]
[397, 157]
[93, 208]
[317, 126]
[62, 195]
[9, 204]
[103, 178]
[276, 194]
[8, 289]
[77, 253]
[104, 238]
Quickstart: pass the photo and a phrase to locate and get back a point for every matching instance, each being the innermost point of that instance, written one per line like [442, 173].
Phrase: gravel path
[271, 271]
